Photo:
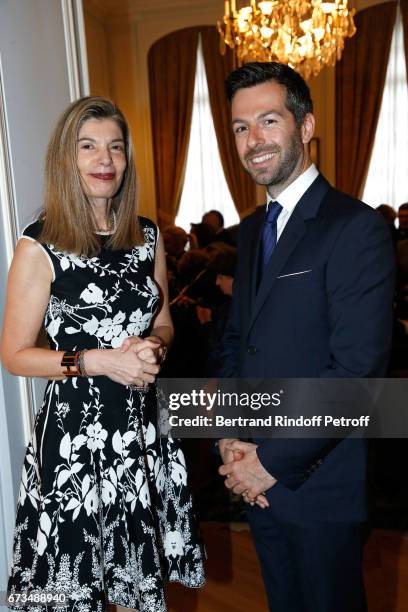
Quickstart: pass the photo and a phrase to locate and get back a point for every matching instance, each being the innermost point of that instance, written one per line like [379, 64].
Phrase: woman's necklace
[111, 225]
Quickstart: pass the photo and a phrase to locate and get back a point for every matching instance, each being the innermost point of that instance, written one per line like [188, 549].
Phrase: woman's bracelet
[164, 353]
[163, 347]
[81, 363]
[74, 363]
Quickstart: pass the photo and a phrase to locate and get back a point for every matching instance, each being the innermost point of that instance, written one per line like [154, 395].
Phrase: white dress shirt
[291, 196]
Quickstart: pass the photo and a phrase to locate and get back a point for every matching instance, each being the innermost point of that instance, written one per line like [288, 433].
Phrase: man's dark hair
[223, 260]
[218, 214]
[298, 99]
[403, 206]
[204, 234]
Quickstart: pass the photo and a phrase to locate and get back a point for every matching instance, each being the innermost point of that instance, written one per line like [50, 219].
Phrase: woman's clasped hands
[144, 356]
[135, 363]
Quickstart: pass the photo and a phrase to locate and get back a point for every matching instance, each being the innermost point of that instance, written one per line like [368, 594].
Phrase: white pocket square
[294, 273]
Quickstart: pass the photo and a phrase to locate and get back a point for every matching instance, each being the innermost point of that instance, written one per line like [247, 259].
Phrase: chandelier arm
[306, 35]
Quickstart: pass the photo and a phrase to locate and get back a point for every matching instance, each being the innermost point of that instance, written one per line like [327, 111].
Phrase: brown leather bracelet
[70, 362]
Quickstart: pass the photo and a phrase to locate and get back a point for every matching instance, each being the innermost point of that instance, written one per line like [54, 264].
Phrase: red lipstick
[108, 176]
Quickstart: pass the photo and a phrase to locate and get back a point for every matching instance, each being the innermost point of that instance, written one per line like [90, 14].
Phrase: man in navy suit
[312, 299]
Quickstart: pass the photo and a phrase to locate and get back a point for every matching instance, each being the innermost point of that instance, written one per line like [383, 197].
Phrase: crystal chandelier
[306, 35]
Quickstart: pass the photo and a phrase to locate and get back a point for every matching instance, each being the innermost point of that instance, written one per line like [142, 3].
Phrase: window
[387, 178]
[205, 187]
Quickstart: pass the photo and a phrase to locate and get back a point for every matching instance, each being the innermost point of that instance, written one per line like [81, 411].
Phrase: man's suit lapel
[293, 232]
[295, 229]
[254, 248]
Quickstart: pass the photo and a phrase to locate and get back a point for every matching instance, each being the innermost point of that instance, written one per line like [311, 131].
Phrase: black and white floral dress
[104, 513]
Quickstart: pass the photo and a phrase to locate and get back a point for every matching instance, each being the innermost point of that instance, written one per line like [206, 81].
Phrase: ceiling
[133, 8]
[121, 9]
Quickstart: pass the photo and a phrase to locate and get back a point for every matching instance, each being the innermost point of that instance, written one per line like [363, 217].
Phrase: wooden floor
[234, 583]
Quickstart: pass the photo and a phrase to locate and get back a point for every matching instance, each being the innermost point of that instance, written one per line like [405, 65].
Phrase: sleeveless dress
[104, 513]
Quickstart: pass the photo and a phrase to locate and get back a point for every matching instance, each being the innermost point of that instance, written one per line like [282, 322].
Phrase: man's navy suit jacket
[323, 310]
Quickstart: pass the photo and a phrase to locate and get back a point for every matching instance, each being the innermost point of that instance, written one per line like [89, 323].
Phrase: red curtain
[171, 64]
[404, 10]
[360, 78]
[218, 67]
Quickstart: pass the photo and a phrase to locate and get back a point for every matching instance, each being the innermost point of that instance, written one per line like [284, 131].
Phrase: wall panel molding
[75, 44]
[11, 232]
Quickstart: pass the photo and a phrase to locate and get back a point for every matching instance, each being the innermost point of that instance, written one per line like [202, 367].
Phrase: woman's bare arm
[163, 325]
[28, 292]
[162, 333]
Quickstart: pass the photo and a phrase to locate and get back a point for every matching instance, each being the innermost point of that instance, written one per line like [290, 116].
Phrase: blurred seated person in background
[188, 355]
[222, 263]
[203, 233]
[388, 456]
[402, 232]
[175, 240]
[389, 214]
[399, 353]
[402, 263]
[228, 235]
[214, 219]
[191, 266]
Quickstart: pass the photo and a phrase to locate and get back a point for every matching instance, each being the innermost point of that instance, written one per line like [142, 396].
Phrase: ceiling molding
[119, 11]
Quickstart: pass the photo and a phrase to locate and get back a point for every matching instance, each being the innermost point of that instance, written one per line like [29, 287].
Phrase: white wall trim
[7, 505]
[10, 224]
[7, 191]
[75, 45]
[81, 45]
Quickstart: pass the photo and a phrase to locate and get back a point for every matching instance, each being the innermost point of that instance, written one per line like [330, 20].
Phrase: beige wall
[97, 50]
[119, 35]
[360, 5]
[126, 40]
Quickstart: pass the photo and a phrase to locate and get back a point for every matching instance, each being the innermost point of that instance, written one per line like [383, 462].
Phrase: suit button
[251, 350]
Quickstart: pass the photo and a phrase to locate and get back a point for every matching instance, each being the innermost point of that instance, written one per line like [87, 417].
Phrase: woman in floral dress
[104, 514]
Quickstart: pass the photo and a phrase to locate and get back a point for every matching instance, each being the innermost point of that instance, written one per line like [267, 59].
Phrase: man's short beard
[286, 166]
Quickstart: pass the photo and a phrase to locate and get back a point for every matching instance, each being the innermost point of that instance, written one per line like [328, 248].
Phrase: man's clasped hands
[244, 473]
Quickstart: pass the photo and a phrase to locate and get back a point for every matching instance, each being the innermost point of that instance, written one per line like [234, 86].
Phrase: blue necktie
[269, 234]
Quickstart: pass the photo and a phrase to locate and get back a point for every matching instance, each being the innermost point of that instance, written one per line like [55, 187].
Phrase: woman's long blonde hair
[69, 223]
